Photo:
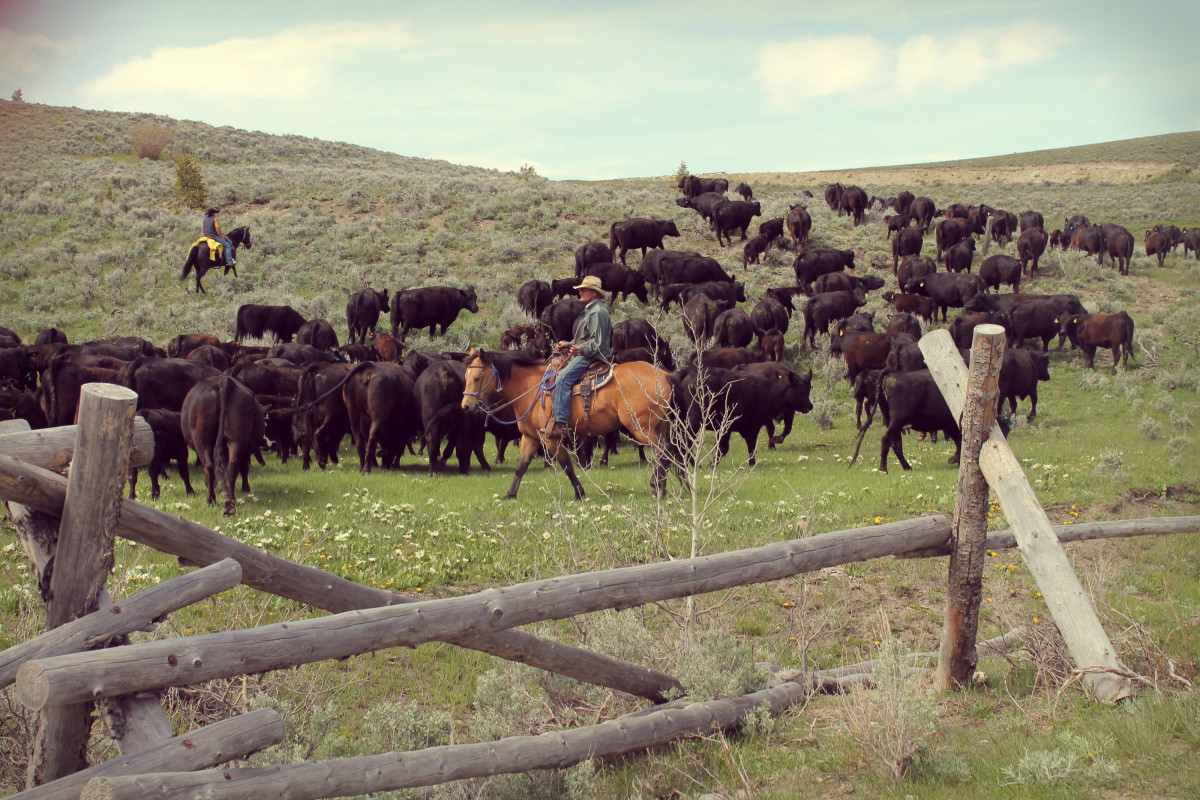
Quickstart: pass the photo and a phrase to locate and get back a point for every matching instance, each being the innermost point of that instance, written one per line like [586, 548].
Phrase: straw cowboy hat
[591, 282]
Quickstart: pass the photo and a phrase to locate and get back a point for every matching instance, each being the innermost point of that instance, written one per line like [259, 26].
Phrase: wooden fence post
[1085, 638]
[83, 558]
[957, 656]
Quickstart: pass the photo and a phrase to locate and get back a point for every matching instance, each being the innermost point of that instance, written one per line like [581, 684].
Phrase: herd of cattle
[228, 401]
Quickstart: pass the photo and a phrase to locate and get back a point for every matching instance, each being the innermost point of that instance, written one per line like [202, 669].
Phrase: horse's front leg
[562, 454]
[529, 448]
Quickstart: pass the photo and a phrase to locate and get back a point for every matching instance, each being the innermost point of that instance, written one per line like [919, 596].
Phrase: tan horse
[638, 398]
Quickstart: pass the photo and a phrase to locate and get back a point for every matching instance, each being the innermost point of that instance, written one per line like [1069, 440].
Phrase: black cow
[224, 424]
[535, 295]
[823, 309]
[321, 427]
[1031, 219]
[811, 264]
[1019, 375]
[65, 376]
[164, 382]
[733, 328]
[1065, 303]
[703, 204]
[727, 357]
[854, 202]
[1191, 241]
[16, 404]
[1036, 319]
[744, 190]
[1060, 239]
[590, 253]
[9, 338]
[799, 224]
[753, 250]
[619, 279]
[922, 209]
[947, 290]
[563, 287]
[362, 313]
[638, 333]
[1001, 269]
[951, 231]
[382, 412]
[772, 229]
[639, 232]
[255, 321]
[1004, 226]
[318, 333]
[1030, 246]
[769, 314]
[301, 354]
[169, 446]
[845, 282]
[560, 317]
[962, 329]
[1172, 232]
[1091, 331]
[960, 256]
[183, 344]
[895, 223]
[914, 267]
[732, 216]
[728, 294]
[904, 322]
[692, 269]
[911, 400]
[908, 242]
[833, 197]
[692, 185]
[739, 401]
[431, 307]
[438, 393]
[866, 389]
[650, 269]
[699, 314]
[903, 202]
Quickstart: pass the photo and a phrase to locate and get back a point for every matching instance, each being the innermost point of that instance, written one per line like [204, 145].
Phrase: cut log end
[32, 687]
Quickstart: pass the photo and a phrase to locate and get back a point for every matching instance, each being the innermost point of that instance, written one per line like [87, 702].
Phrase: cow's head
[470, 301]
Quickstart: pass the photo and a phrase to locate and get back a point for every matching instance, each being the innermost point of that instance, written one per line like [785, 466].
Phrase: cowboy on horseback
[592, 342]
[212, 229]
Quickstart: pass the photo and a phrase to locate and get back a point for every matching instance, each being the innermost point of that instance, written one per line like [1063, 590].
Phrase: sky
[628, 89]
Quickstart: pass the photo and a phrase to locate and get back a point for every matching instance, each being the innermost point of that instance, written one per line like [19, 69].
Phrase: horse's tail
[222, 466]
[191, 262]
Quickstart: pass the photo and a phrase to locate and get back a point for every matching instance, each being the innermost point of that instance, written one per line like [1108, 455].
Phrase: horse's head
[481, 379]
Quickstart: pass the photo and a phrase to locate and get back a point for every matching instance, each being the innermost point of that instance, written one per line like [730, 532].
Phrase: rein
[488, 409]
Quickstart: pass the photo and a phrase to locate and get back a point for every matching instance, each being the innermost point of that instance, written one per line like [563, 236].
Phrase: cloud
[814, 67]
[293, 63]
[817, 67]
[956, 62]
[20, 53]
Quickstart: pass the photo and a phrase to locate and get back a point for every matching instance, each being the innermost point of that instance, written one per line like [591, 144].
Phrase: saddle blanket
[598, 374]
[216, 250]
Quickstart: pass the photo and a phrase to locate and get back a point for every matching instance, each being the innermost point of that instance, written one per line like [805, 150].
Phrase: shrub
[149, 140]
[189, 183]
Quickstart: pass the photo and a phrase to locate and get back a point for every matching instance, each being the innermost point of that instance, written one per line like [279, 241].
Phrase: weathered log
[198, 749]
[187, 660]
[132, 614]
[388, 771]
[83, 559]
[957, 656]
[1043, 553]
[1082, 531]
[53, 448]
[43, 490]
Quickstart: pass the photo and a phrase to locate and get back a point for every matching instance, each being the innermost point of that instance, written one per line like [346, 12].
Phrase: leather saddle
[597, 374]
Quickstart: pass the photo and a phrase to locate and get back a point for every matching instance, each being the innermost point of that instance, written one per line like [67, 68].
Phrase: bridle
[490, 410]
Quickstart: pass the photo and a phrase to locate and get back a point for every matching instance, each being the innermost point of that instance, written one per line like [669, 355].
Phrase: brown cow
[1090, 331]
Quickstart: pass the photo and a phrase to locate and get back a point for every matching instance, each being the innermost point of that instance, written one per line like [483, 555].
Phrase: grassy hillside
[92, 241]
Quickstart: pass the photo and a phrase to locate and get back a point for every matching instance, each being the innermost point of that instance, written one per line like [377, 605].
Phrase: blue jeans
[566, 381]
[228, 249]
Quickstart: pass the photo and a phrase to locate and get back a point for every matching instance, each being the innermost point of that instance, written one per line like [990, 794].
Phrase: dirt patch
[1103, 171]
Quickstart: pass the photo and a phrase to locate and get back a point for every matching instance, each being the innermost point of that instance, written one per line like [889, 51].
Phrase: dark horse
[201, 260]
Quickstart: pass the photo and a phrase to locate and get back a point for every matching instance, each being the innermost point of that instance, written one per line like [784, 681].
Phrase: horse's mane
[504, 360]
